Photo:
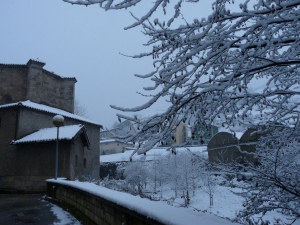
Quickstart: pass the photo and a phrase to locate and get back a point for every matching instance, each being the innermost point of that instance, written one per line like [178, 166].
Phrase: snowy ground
[125, 156]
[226, 204]
[160, 211]
[226, 200]
[63, 217]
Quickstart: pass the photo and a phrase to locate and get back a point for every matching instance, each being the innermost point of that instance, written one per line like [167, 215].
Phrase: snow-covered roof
[111, 140]
[50, 134]
[125, 156]
[49, 109]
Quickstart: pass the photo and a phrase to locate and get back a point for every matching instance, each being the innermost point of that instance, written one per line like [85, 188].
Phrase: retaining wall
[92, 209]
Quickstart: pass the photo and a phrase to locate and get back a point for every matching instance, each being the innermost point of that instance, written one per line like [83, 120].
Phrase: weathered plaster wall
[44, 119]
[25, 167]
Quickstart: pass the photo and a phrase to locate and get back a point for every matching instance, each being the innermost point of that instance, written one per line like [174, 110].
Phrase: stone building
[32, 82]
[29, 99]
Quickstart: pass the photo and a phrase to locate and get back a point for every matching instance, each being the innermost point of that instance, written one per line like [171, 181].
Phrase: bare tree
[80, 109]
[209, 184]
[136, 176]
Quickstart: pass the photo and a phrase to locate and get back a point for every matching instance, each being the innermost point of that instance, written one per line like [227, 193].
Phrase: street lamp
[58, 121]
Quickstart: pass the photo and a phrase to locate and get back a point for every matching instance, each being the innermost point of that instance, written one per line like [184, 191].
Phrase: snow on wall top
[50, 134]
[49, 109]
[158, 211]
[150, 155]
[112, 140]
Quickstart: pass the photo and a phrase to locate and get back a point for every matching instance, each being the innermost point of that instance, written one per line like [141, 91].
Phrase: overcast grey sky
[83, 42]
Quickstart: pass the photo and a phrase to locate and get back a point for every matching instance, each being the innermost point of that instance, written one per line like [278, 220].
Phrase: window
[84, 162]
[76, 160]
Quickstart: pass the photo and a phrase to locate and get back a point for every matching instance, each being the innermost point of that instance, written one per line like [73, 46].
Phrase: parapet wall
[92, 209]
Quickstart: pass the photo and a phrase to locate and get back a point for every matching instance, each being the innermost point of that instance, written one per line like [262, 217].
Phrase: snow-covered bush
[136, 176]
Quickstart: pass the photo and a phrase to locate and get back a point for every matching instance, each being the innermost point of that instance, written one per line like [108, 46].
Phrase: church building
[30, 97]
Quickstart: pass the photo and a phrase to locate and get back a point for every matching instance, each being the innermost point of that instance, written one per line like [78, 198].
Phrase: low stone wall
[92, 209]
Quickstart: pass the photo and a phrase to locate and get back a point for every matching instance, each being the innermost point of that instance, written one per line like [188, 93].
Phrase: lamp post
[58, 121]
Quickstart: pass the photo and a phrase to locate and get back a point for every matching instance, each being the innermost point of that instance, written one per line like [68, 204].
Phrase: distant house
[112, 146]
[199, 135]
[202, 134]
[29, 99]
[178, 136]
[108, 143]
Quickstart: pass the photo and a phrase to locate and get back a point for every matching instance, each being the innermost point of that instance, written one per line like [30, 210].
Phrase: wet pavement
[25, 209]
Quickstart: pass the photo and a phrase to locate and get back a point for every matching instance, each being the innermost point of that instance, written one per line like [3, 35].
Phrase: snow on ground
[226, 204]
[64, 218]
[125, 156]
[159, 211]
[227, 201]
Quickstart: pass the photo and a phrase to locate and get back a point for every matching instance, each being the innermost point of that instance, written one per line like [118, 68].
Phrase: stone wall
[32, 82]
[13, 83]
[50, 89]
[92, 209]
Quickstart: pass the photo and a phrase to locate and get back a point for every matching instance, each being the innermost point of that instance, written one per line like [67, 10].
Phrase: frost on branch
[228, 67]
[275, 181]
[209, 68]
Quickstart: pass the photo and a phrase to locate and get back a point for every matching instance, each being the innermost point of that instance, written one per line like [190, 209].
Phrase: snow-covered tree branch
[227, 67]
[208, 68]
[80, 109]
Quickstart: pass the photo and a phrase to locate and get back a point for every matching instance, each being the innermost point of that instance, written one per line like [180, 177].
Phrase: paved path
[26, 209]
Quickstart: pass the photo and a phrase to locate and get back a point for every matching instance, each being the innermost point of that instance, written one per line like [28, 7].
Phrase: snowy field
[160, 211]
[227, 198]
[125, 156]
[63, 217]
